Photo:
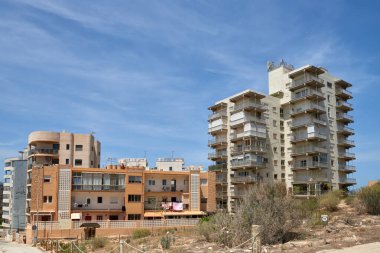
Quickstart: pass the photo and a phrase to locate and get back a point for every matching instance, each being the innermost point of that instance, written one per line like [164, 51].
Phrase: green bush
[370, 198]
[166, 241]
[330, 200]
[98, 243]
[140, 233]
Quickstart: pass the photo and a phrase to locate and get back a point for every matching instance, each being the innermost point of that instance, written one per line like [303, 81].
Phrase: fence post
[71, 246]
[256, 241]
[121, 247]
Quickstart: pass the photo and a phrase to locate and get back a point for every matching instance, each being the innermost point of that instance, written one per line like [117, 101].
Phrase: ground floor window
[114, 217]
[134, 216]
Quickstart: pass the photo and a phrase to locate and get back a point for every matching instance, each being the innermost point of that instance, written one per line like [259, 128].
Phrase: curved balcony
[305, 123]
[346, 143]
[217, 142]
[344, 105]
[43, 152]
[217, 115]
[345, 130]
[248, 106]
[244, 180]
[246, 119]
[347, 181]
[346, 156]
[346, 168]
[218, 167]
[217, 155]
[217, 129]
[43, 136]
[309, 179]
[306, 81]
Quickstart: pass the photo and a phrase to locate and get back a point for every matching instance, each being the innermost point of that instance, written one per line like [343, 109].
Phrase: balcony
[90, 207]
[343, 105]
[217, 155]
[247, 134]
[221, 180]
[306, 81]
[345, 130]
[308, 137]
[344, 117]
[346, 168]
[80, 187]
[217, 142]
[219, 128]
[343, 93]
[247, 149]
[246, 119]
[347, 156]
[218, 167]
[309, 178]
[246, 164]
[305, 123]
[347, 181]
[221, 195]
[248, 106]
[43, 151]
[307, 94]
[308, 150]
[309, 165]
[308, 108]
[244, 180]
[346, 143]
[217, 115]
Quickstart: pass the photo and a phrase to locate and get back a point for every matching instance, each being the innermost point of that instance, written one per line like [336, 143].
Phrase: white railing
[247, 119]
[307, 107]
[308, 149]
[247, 134]
[308, 121]
[302, 81]
[344, 116]
[217, 128]
[247, 104]
[217, 115]
[55, 225]
[307, 93]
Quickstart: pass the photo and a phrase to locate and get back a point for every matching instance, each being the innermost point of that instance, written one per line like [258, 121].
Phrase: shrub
[370, 198]
[217, 228]
[98, 243]
[166, 241]
[140, 233]
[330, 200]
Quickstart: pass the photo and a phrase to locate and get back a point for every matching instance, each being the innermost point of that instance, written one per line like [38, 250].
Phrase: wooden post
[121, 247]
[256, 239]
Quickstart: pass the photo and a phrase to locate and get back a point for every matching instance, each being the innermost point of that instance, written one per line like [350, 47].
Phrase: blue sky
[141, 74]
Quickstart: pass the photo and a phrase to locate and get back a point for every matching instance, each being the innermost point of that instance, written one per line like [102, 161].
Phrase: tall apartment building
[120, 193]
[297, 134]
[14, 194]
[54, 148]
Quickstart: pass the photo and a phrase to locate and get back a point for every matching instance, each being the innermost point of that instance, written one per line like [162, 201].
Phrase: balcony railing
[308, 164]
[82, 187]
[343, 92]
[247, 119]
[343, 104]
[29, 181]
[310, 178]
[247, 179]
[217, 167]
[217, 115]
[295, 84]
[302, 137]
[221, 180]
[29, 195]
[347, 155]
[307, 107]
[95, 207]
[347, 180]
[247, 163]
[307, 122]
[249, 148]
[346, 142]
[217, 141]
[248, 105]
[43, 151]
[345, 167]
[346, 129]
[307, 93]
[308, 149]
[217, 128]
[344, 116]
[173, 189]
[249, 133]
[217, 155]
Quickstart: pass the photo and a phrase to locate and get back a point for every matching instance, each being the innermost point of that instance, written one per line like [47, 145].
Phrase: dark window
[92, 163]
[67, 161]
[88, 201]
[170, 168]
[78, 147]
[134, 216]
[47, 179]
[134, 179]
[100, 200]
[163, 181]
[67, 146]
[275, 176]
[114, 217]
[99, 217]
[48, 199]
[204, 200]
[78, 162]
[56, 146]
[329, 84]
[134, 198]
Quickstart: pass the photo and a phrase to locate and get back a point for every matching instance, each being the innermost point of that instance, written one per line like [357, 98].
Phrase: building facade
[15, 194]
[53, 148]
[119, 193]
[298, 134]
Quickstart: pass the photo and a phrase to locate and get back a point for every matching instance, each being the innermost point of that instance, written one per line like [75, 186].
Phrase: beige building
[54, 148]
[297, 134]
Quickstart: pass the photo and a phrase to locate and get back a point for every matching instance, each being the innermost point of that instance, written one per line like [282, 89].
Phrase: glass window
[151, 182]
[134, 198]
[78, 147]
[48, 199]
[78, 162]
[134, 179]
[47, 179]
[204, 182]
[100, 200]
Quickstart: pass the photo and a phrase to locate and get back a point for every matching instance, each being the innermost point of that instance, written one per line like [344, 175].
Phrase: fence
[54, 225]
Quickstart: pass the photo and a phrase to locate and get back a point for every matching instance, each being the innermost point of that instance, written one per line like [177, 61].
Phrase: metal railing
[45, 151]
[250, 148]
[217, 141]
[307, 93]
[345, 167]
[217, 155]
[343, 103]
[308, 149]
[348, 180]
[82, 187]
[306, 79]
[248, 134]
[300, 137]
[247, 119]
[217, 128]
[247, 179]
[217, 115]
[309, 164]
[310, 121]
[345, 129]
[343, 92]
[246, 163]
[217, 167]
[347, 155]
[345, 141]
[307, 107]
[247, 104]
[340, 116]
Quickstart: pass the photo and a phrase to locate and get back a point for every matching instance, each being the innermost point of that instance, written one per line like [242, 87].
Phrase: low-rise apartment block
[298, 134]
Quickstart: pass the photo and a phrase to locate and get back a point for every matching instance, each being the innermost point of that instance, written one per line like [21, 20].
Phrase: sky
[141, 74]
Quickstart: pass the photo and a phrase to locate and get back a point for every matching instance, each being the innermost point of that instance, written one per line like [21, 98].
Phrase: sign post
[325, 221]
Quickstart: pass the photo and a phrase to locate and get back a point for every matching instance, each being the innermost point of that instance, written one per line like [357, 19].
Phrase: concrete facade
[297, 134]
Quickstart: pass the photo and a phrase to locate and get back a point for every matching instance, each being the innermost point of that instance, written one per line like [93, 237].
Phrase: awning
[90, 225]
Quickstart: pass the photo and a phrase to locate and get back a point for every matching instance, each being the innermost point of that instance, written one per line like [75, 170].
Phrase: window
[329, 112]
[88, 201]
[275, 149]
[303, 163]
[281, 112]
[328, 98]
[282, 162]
[67, 161]
[329, 85]
[7, 180]
[274, 123]
[151, 182]
[134, 198]
[134, 179]
[114, 217]
[56, 146]
[100, 200]
[282, 175]
[275, 162]
[67, 146]
[78, 162]
[332, 162]
[78, 147]
[99, 217]
[8, 172]
[204, 182]
[170, 168]
[282, 137]
[163, 181]
[47, 179]
[48, 199]
[92, 163]
[275, 136]
[275, 176]
[204, 200]
[8, 164]
[134, 216]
